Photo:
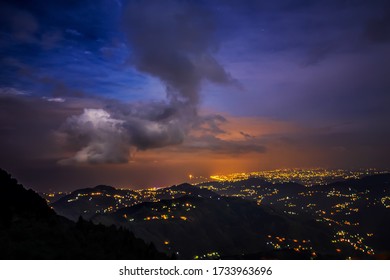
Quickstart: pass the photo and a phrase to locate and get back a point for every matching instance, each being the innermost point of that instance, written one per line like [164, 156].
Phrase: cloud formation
[173, 41]
[99, 137]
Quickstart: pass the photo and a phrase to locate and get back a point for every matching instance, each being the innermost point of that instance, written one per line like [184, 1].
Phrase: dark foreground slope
[29, 229]
[196, 226]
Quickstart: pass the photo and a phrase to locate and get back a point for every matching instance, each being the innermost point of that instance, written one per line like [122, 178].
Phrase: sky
[139, 94]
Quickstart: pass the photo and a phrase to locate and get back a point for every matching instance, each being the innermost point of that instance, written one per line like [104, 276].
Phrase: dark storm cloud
[110, 135]
[99, 137]
[173, 41]
[29, 142]
[176, 42]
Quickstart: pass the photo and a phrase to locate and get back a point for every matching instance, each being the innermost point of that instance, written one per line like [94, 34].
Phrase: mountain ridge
[29, 229]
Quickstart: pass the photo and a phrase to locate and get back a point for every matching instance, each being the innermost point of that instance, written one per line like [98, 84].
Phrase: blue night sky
[143, 93]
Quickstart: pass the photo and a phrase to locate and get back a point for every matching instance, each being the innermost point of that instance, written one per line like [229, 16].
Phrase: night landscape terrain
[251, 218]
[255, 216]
[183, 129]
[29, 229]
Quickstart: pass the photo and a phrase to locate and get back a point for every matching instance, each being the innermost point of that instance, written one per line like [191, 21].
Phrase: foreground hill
[89, 201]
[29, 229]
[196, 226]
[105, 199]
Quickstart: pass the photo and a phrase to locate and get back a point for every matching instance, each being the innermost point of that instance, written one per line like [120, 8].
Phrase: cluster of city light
[211, 188]
[165, 217]
[356, 241]
[148, 195]
[298, 245]
[307, 177]
[175, 206]
[119, 200]
[165, 212]
[53, 196]
[209, 255]
[351, 196]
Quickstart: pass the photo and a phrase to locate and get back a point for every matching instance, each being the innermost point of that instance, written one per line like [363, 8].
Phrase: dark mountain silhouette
[197, 225]
[80, 202]
[105, 188]
[260, 185]
[184, 189]
[29, 229]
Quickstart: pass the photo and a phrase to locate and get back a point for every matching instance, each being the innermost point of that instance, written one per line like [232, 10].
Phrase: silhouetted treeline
[29, 229]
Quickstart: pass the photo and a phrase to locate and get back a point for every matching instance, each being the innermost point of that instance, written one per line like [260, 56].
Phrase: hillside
[193, 226]
[29, 229]
[87, 202]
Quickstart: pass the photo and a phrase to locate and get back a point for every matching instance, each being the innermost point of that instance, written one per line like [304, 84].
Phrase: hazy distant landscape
[261, 215]
[255, 215]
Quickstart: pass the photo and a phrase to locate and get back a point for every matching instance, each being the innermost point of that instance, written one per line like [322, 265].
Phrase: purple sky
[143, 93]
